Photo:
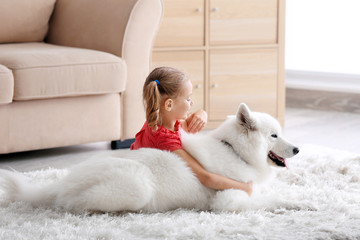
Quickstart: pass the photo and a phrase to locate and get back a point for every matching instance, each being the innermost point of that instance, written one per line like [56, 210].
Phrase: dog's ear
[244, 117]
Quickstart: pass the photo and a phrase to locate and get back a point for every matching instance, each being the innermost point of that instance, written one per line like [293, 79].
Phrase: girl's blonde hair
[162, 83]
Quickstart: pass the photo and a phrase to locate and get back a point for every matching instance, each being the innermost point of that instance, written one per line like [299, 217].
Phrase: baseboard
[323, 91]
[321, 81]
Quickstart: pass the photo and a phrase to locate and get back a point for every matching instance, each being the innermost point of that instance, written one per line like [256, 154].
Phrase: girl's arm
[212, 180]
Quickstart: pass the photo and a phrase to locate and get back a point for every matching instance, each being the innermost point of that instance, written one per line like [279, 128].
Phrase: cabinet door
[243, 75]
[243, 21]
[182, 24]
[189, 62]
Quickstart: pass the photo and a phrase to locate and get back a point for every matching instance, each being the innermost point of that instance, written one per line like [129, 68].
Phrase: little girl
[167, 99]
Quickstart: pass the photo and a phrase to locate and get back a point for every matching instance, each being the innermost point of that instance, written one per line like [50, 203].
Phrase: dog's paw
[230, 200]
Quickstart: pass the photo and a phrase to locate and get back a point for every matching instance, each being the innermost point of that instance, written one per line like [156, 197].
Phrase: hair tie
[157, 82]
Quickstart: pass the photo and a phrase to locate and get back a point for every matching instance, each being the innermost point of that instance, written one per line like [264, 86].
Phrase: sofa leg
[122, 144]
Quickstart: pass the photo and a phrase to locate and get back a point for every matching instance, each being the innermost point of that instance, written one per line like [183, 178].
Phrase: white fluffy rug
[317, 198]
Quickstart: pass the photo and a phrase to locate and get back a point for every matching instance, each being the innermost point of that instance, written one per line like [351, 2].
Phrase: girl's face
[183, 102]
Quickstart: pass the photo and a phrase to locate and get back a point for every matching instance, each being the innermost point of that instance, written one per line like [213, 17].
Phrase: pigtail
[151, 96]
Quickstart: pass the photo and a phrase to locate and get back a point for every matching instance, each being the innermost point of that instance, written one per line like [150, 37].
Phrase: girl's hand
[248, 188]
[196, 121]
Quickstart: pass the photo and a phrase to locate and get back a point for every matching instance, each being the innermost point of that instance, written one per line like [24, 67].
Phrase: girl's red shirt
[163, 138]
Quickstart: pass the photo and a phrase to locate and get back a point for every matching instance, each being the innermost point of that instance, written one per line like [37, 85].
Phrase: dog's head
[257, 138]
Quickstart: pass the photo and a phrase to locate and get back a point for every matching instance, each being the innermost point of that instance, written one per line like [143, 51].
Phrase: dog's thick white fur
[243, 148]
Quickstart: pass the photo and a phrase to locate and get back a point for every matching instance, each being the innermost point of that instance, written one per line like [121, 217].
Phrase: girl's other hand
[196, 121]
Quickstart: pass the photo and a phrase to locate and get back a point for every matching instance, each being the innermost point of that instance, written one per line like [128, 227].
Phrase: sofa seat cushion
[6, 85]
[44, 70]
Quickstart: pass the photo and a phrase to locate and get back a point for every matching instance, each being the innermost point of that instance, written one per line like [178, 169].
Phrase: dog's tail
[15, 187]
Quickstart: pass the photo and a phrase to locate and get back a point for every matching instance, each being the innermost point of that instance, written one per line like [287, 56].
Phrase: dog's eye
[274, 135]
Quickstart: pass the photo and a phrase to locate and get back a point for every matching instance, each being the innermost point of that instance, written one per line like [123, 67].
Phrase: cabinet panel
[182, 24]
[242, 75]
[243, 21]
[189, 62]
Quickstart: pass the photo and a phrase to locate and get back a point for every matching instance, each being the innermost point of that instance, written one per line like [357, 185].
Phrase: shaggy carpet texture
[318, 197]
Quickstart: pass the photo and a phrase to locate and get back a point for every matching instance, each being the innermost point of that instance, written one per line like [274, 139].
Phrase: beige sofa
[71, 71]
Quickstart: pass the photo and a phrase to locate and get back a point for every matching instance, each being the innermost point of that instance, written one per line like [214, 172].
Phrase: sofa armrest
[126, 28]
[144, 23]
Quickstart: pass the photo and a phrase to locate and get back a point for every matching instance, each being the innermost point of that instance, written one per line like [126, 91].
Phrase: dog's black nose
[296, 150]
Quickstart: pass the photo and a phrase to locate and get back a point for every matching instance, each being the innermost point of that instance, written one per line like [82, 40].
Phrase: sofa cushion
[24, 20]
[44, 70]
[6, 85]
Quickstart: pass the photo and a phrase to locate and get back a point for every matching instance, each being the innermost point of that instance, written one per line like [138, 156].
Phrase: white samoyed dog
[243, 148]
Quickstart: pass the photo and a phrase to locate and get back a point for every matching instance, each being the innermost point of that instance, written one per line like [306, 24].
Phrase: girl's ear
[169, 104]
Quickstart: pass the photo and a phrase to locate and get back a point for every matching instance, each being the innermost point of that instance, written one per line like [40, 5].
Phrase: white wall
[323, 36]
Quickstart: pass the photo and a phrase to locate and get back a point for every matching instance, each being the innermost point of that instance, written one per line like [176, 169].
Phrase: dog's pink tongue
[285, 163]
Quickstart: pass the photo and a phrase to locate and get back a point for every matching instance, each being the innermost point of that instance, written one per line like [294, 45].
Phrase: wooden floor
[323, 100]
[338, 130]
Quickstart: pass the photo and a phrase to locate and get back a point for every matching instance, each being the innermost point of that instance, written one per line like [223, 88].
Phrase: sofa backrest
[92, 24]
[24, 20]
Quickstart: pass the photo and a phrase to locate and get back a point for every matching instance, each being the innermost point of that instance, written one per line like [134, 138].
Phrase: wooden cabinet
[232, 50]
